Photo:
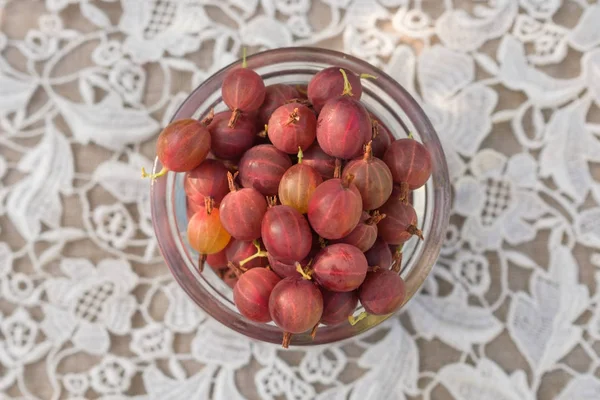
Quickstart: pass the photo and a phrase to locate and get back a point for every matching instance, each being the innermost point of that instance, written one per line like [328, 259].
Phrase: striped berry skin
[262, 167]
[286, 234]
[343, 127]
[252, 291]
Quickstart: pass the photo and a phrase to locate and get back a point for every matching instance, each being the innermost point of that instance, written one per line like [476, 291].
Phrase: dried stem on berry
[293, 117]
[313, 332]
[337, 172]
[263, 134]
[397, 264]
[322, 242]
[347, 86]
[348, 181]
[404, 192]
[355, 320]
[368, 156]
[235, 115]
[201, 261]
[238, 271]
[208, 119]
[413, 230]
[272, 201]
[209, 203]
[375, 218]
[287, 338]
[231, 180]
[375, 128]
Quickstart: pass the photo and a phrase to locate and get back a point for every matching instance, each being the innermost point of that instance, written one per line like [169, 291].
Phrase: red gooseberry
[296, 306]
[337, 306]
[243, 91]
[340, 267]
[208, 179]
[181, 147]
[379, 255]
[335, 208]
[410, 164]
[231, 143]
[292, 126]
[382, 138]
[364, 235]
[275, 96]
[252, 292]
[329, 83]
[242, 211]
[400, 222]
[372, 178]
[315, 157]
[262, 167]
[286, 234]
[382, 292]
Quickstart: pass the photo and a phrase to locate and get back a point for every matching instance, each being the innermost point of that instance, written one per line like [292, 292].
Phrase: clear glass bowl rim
[162, 211]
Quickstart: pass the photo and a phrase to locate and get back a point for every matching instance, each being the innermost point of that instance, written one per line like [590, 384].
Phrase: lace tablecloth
[87, 308]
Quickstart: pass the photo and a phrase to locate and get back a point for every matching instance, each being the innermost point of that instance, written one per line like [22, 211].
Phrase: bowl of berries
[300, 196]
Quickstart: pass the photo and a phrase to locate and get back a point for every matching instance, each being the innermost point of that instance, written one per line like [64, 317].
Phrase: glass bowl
[382, 96]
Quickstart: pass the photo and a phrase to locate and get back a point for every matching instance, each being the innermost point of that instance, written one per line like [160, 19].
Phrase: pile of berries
[298, 198]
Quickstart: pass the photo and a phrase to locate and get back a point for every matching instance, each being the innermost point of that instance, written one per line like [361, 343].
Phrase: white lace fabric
[87, 308]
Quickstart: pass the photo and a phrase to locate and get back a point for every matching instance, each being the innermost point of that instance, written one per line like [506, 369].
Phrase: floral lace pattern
[88, 310]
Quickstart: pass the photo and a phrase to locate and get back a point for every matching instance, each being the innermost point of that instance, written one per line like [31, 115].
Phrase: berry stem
[201, 261]
[347, 181]
[322, 242]
[209, 203]
[208, 119]
[306, 275]
[238, 271]
[353, 321]
[231, 181]
[244, 62]
[410, 135]
[347, 86]
[313, 332]
[293, 117]
[263, 134]
[235, 115]
[300, 155]
[367, 76]
[337, 172]
[368, 151]
[404, 192]
[160, 173]
[272, 201]
[259, 253]
[413, 230]
[375, 218]
[375, 128]
[287, 338]
[397, 264]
